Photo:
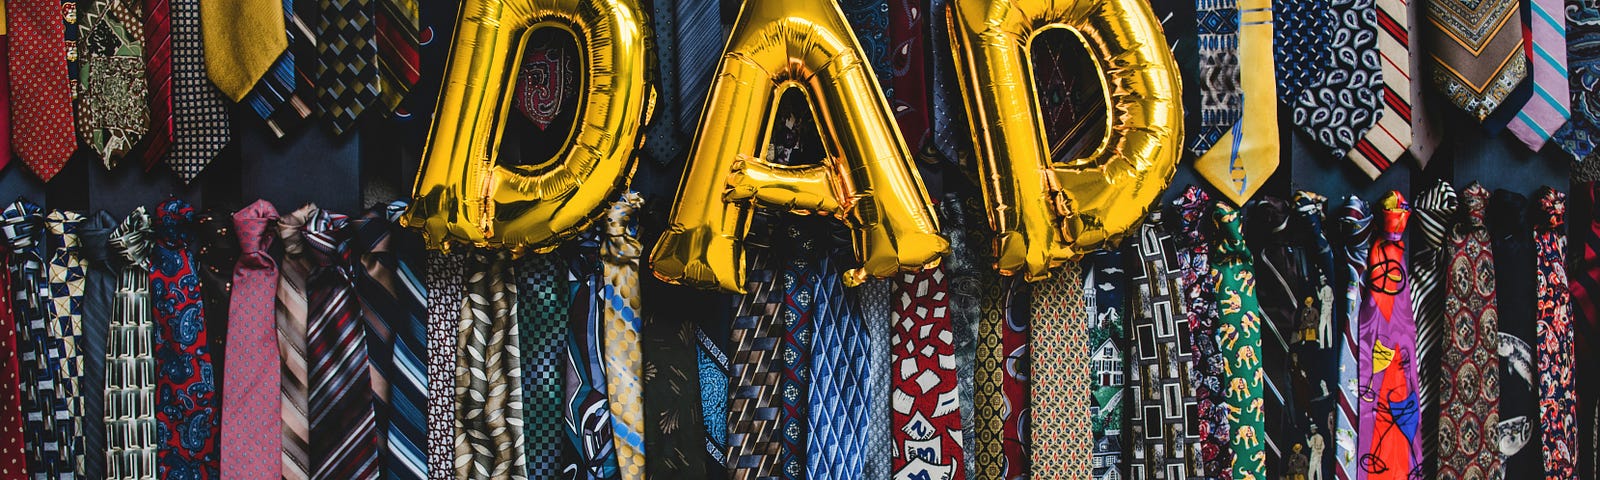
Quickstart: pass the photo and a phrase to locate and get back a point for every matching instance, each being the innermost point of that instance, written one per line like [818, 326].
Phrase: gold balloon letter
[463, 194]
[1044, 212]
[867, 179]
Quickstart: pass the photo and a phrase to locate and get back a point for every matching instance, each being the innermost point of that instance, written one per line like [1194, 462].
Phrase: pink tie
[251, 425]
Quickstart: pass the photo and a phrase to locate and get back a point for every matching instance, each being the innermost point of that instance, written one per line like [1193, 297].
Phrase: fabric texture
[1338, 109]
[243, 40]
[1584, 282]
[753, 401]
[1249, 152]
[1221, 102]
[346, 72]
[41, 96]
[113, 113]
[542, 300]
[186, 401]
[130, 366]
[1469, 395]
[488, 374]
[1392, 136]
[65, 274]
[1060, 425]
[252, 412]
[99, 288]
[1581, 133]
[200, 125]
[22, 224]
[158, 75]
[1104, 278]
[840, 395]
[1239, 338]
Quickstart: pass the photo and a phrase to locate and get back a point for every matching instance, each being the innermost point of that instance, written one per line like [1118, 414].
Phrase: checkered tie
[200, 116]
[543, 297]
[346, 74]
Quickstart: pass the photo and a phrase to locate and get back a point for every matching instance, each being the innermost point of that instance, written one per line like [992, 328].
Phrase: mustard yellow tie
[242, 39]
[1248, 153]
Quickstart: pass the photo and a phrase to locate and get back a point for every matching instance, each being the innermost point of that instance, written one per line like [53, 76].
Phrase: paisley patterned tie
[187, 398]
[1558, 408]
[1193, 248]
[1469, 397]
[488, 378]
[1388, 441]
[1239, 338]
[1157, 320]
[619, 255]
[927, 410]
[970, 280]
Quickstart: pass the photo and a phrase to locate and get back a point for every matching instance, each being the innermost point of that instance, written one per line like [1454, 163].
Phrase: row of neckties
[153, 78]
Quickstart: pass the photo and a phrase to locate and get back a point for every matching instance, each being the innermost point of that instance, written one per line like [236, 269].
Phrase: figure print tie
[1249, 149]
[41, 95]
[1389, 444]
[1239, 338]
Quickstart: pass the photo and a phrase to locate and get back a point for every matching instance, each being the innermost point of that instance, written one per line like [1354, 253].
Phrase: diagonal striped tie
[1432, 213]
[1547, 111]
[345, 441]
[619, 254]
[488, 374]
[1351, 239]
[398, 61]
[279, 86]
[1387, 141]
[158, 72]
[394, 303]
[290, 313]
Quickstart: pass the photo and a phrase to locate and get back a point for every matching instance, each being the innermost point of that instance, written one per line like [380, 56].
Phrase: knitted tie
[394, 305]
[1388, 140]
[1220, 97]
[1584, 281]
[927, 417]
[1582, 131]
[158, 74]
[1239, 338]
[41, 97]
[1516, 294]
[1103, 280]
[1353, 235]
[398, 61]
[488, 380]
[113, 112]
[130, 367]
[838, 420]
[1158, 421]
[444, 277]
[797, 278]
[1466, 414]
[243, 41]
[1434, 209]
[65, 274]
[619, 252]
[1476, 51]
[542, 300]
[1547, 111]
[753, 404]
[1193, 248]
[187, 398]
[252, 422]
[1388, 436]
[1557, 404]
[1338, 109]
[587, 416]
[290, 315]
[345, 439]
[200, 118]
[346, 74]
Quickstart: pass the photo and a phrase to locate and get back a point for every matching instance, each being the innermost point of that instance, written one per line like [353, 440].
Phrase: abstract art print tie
[1516, 292]
[587, 416]
[65, 274]
[1431, 215]
[252, 420]
[1469, 394]
[113, 113]
[446, 272]
[488, 374]
[130, 367]
[1388, 436]
[1352, 235]
[345, 441]
[290, 312]
[394, 305]
[1103, 280]
[1239, 338]
[1249, 148]
[186, 401]
[1220, 96]
[1160, 445]
[1216, 456]
[926, 404]
[1557, 403]
[22, 225]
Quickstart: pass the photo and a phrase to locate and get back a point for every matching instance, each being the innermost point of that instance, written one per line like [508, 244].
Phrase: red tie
[5, 102]
[927, 417]
[11, 442]
[158, 72]
[43, 99]
[251, 421]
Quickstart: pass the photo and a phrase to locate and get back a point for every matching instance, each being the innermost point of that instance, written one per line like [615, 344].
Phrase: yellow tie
[243, 38]
[1245, 156]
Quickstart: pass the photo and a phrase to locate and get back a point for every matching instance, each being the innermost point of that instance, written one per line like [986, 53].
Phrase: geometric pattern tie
[837, 441]
[345, 437]
[130, 367]
[1302, 42]
[66, 277]
[542, 300]
[13, 443]
[1060, 341]
[100, 287]
[41, 96]
[798, 278]
[21, 224]
[1388, 141]
[488, 380]
[1103, 282]
[1338, 109]
[753, 403]
[346, 74]
[1581, 134]
[279, 85]
[113, 110]
[1547, 111]
[290, 312]
[1159, 361]
[619, 255]
[187, 398]
[1557, 406]
[1249, 149]
[200, 117]
[1388, 442]
[1239, 336]
[397, 25]
[1432, 212]
[1476, 52]
[875, 302]
[1354, 230]
[1466, 415]
[251, 405]
[393, 301]
[158, 75]
[444, 280]
[927, 416]
[1193, 249]
[1221, 98]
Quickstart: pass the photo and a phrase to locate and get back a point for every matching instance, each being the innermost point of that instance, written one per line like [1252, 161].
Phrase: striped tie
[488, 378]
[280, 85]
[1475, 50]
[158, 72]
[290, 314]
[1547, 111]
[395, 306]
[1353, 233]
[398, 61]
[344, 437]
[1388, 140]
[1557, 405]
[619, 254]
[446, 271]
[1060, 422]
[1434, 209]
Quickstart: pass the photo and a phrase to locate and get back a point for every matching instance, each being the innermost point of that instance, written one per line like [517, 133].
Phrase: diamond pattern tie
[1239, 338]
[344, 440]
[346, 74]
[187, 398]
[488, 380]
[113, 112]
[252, 421]
[839, 395]
[1060, 424]
[1249, 152]
[1432, 213]
[446, 272]
[1388, 442]
[542, 299]
[1388, 140]
[1582, 131]
[619, 252]
[1337, 110]
[1476, 52]
[875, 301]
[66, 276]
[1557, 404]
[243, 41]
[1516, 294]
[22, 225]
[1220, 96]
[1193, 249]
[130, 367]
[158, 74]
[1547, 111]
[290, 313]
[1157, 318]
[1353, 233]
[1471, 336]
[1103, 281]
[200, 118]
[41, 96]
[926, 403]
[797, 278]
[394, 304]
[398, 61]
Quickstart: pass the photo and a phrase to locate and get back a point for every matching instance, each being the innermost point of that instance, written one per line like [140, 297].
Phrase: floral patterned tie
[1469, 399]
[488, 374]
[1557, 404]
[1193, 250]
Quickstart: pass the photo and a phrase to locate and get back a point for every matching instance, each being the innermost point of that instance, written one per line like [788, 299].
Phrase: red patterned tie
[927, 407]
[908, 29]
[158, 72]
[186, 400]
[11, 441]
[42, 98]
[1557, 403]
[251, 416]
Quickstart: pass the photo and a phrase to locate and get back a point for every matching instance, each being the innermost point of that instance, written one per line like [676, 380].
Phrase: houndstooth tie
[200, 117]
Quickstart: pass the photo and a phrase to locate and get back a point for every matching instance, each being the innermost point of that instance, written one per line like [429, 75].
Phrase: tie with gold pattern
[1466, 414]
[619, 255]
[1475, 51]
[1239, 338]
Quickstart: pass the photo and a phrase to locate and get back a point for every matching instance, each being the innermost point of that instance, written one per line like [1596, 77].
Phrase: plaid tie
[542, 298]
[187, 398]
[1557, 405]
[200, 118]
[488, 378]
[346, 74]
[1476, 52]
[394, 305]
[1215, 456]
[290, 314]
[113, 112]
[1239, 338]
[1582, 131]
[1547, 111]
[1472, 335]
[252, 422]
[1157, 320]
[345, 438]
[41, 95]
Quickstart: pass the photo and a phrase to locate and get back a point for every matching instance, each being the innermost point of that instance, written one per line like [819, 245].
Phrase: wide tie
[1466, 415]
[444, 281]
[1388, 441]
[398, 61]
[1193, 248]
[1584, 282]
[488, 374]
[66, 277]
[753, 403]
[252, 422]
[1476, 52]
[1337, 110]
[100, 286]
[840, 395]
[542, 300]
[158, 74]
[279, 86]
[1582, 131]
[41, 97]
[1384, 144]
[346, 74]
[394, 306]
[200, 118]
[1103, 281]
[1547, 111]
[1353, 240]
[345, 440]
[113, 112]
[1157, 318]
[290, 313]
[243, 40]
[1516, 293]
[186, 405]
[1221, 96]
[130, 367]
[22, 225]
[1239, 339]
[1557, 404]
[927, 417]
[587, 416]
[1248, 152]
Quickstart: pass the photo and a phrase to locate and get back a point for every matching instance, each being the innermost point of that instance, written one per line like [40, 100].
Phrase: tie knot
[1354, 220]
[1435, 207]
[328, 238]
[1396, 212]
[620, 244]
[1309, 204]
[1552, 209]
[63, 228]
[291, 229]
[20, 222]
[1189, 209]
[1475, 203]
[1229, 231]
[132, 240]
[374, 229]
[250, 225]
[173, 223]
[1267, 222]
[94, 234]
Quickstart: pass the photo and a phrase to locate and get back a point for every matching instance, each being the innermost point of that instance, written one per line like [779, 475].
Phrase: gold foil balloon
[867, 179]
[463, 194]
[1046, 212]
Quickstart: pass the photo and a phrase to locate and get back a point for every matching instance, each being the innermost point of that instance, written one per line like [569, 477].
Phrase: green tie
[1239, 337]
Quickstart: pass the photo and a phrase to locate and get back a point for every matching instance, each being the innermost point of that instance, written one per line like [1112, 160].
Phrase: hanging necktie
[100, 285]
[1060, 423]
[1516, 291]
[200, 118]
[1547, 111]
[394, 305]
[689, 39]
[216, 252]
[113, 112]
[488, 377]
[797, 278]
[243, 40]
[13, 443]
[837, 444]
[1388, 442]
[158, 75]
[1248, 152]
[66, 276]
[1288, 319]
[1302, 45]
[1387, 141]
[279, 85]
[870, 21]
[1159, 360]
[1476, 52]
[619, 254]
[1352, 235]
[875, 299]
[587, 416]
[5, 98]
[444, 283]
[1318, 351]
[186, 405]
[1221, 98]
[41, 95]
[1469, 392]
[1239, 339]
[675, 434]
[753, 403]
[1584, 282]
[397, 25]
[1582, 131]
[22, 225]
[1103, 280]
[346, 74]
[344, 440]
[1557, 405]
[1193, 248]
[908, 89]
[927, 417]
[542, 300]
[290, 313]
[712, 359]
[971, 278]
[130, 367]
[1337, 110]
[252, 422]
[1432, 213]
